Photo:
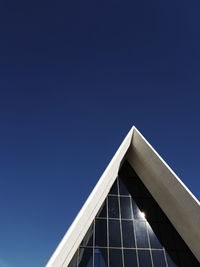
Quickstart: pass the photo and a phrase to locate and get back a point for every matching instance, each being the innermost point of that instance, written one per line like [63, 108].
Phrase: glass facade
[131, 230]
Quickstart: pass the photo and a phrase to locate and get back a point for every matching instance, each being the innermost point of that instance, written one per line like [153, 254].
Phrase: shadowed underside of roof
[173, 197]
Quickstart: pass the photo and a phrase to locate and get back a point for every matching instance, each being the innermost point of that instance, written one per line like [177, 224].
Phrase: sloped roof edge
[176, 200]
[71, 240]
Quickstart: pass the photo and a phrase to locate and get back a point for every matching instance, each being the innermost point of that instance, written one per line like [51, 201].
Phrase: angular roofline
[165, 186]
[166, 165]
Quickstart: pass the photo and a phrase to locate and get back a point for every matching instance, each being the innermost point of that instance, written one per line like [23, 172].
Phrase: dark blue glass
[113, 207]
[123, 190]
[100, 257]
[141, 234]
[128, 234]
[154, 241]
[136, 211]
[130, 259]
[101, 232]
[114, 189]
[88, 239]
[114, 233]
[144, 258]
[158, 258]
[103, 211]
[134, 220]
[126, 211]
[115, 258]
[85, 257]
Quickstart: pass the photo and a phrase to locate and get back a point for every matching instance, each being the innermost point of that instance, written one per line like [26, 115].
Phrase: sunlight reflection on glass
[142, 214]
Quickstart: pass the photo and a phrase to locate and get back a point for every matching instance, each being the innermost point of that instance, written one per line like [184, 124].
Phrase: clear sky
[74, 77]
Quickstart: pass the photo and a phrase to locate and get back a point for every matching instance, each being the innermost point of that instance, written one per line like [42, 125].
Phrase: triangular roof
[175, 199]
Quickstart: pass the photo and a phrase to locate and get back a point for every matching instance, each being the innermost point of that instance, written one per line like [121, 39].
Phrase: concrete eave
[175, 199]
[178, 203]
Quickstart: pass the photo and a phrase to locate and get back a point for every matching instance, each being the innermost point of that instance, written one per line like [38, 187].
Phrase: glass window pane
[103, 211]
[115, 257]
[125, 204]
[144, 258]
[130, 259]
[154, 242]
[113, 207]
[114, 233]
[113, 189]
[101, 232]
[152, 229]
[88, 239]
[137, 214]
[85, 257]
[123, 190]
[128, 234]
[141, 234]
[100, 257]
[158, 258]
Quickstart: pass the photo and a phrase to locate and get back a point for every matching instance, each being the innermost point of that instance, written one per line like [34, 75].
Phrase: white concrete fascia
[176, 200]
[179, 204]
[71, 241]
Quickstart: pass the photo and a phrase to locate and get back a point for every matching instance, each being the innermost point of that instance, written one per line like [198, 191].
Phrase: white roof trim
[70, 242]
[176, 200]
[179, 204]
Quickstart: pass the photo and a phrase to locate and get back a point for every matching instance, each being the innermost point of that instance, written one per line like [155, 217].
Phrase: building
[139, 214]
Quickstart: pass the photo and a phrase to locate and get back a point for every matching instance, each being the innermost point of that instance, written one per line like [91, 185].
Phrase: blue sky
[74, 77]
